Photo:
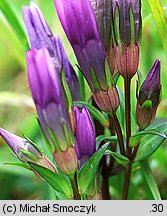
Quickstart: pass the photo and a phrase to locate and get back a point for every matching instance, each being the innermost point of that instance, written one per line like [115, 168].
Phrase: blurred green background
[17, 113]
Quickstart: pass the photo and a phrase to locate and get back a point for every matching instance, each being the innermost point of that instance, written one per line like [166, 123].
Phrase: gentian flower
[53, 117]
[149, 97]
[40, 35]
[127, 31]
[103, 12]
[79, 22]
[26, 151]
[84, 135]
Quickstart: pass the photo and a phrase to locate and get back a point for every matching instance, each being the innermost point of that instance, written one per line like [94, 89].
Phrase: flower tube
[53, 116]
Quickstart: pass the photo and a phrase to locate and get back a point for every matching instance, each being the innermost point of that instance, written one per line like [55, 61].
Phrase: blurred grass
[18, 116]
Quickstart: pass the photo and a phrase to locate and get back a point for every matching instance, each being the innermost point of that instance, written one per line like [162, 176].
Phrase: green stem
[127, 182]
[73, 181]
[119, 133]
[127, 83]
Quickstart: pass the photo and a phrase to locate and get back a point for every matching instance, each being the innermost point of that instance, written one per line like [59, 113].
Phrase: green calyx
[109, 78]
[117, 26]
[68, 136]
[67, 91]
[147, 104]
[95, 82]
[27, 156]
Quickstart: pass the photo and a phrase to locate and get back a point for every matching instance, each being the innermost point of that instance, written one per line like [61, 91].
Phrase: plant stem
[119, 133]
[127, 83]
[75, 188]
[135, 151]
[105, 188]
[127, 182]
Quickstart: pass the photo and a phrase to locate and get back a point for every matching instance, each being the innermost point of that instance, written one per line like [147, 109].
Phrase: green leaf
[88, 170]
[124, 161]
[160, 20]
[57, 181]
[12, 19]
[147, 173]
[94, 112]
[23, 165]
[101, 138]
[135, 139]
[150, 143]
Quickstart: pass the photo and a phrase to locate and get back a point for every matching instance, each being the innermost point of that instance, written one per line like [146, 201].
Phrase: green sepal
[58, 182]
[147, 104]
[29, 154]
[101, 138]
[117, 25]
[69, 137]
[95, 113]
[67, 91]
[124, 161]
[109, 78]
[116, 77]
[33, 144]
[88, 171]
[54, 142]
[94, 80]
[81, 81]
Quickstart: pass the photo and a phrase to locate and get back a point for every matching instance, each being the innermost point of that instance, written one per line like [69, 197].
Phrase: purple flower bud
[127, 21]
[47, 94]
[40, 35]
[70, 74]
[127, 31]
[79, 23]
[84, 135]
[103, 12]
[149, 97]
[26, 151]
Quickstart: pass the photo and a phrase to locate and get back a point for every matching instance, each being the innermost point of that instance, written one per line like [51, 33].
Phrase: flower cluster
[105, 37]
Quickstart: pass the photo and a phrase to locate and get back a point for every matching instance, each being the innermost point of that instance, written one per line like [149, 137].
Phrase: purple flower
[70, 74]
[25, 150]
[127, 21]
[103, 12]
[79, 23]
[84, 135]
[149, 97]
[47, 91]
[40, 35]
